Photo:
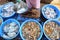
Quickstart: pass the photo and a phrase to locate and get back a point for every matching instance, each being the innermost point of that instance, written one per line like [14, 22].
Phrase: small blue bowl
[51, 6]
[54, 20]
[7, 22]
[5, 5]
[31, 20]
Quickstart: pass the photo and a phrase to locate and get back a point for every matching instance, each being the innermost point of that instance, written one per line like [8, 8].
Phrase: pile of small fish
[8, 9]
[31, 31]
[10, 30]
[50, 13]
[52, 30]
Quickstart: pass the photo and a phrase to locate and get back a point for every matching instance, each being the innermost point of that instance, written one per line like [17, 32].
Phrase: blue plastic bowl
[54, 20]
[31, 20]
[5, 5]
[51, 6]
[7, 22]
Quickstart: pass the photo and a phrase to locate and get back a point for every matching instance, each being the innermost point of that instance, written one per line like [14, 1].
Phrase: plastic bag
[20, 7]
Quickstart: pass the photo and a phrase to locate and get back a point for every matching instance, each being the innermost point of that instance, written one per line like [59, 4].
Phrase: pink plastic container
[33, 3]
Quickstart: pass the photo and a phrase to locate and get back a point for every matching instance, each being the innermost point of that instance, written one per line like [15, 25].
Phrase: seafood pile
[31, 31]
[52, 30]
[8, 10]
[10, 30]
[50, 13]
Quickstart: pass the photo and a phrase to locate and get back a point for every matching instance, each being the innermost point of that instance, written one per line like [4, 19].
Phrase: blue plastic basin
[31, 20]
[54, 20]
[5, 5]
[53, 7]
[7, 22]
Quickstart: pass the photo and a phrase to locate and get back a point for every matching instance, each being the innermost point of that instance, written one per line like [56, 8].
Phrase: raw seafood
[50, 13]
[11, 30]
[31, 31]
[52, 30]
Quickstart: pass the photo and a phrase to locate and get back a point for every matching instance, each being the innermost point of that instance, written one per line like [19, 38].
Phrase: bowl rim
[1, 34]
[31, 20]
[44, 26]
[8, 16]
[46, 6]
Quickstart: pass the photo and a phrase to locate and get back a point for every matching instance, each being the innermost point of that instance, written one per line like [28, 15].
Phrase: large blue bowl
[7, 22]
[54, 20]
[51, 6]
[31, 20]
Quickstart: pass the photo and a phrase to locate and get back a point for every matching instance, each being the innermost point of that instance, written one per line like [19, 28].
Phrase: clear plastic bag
[20, 7]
